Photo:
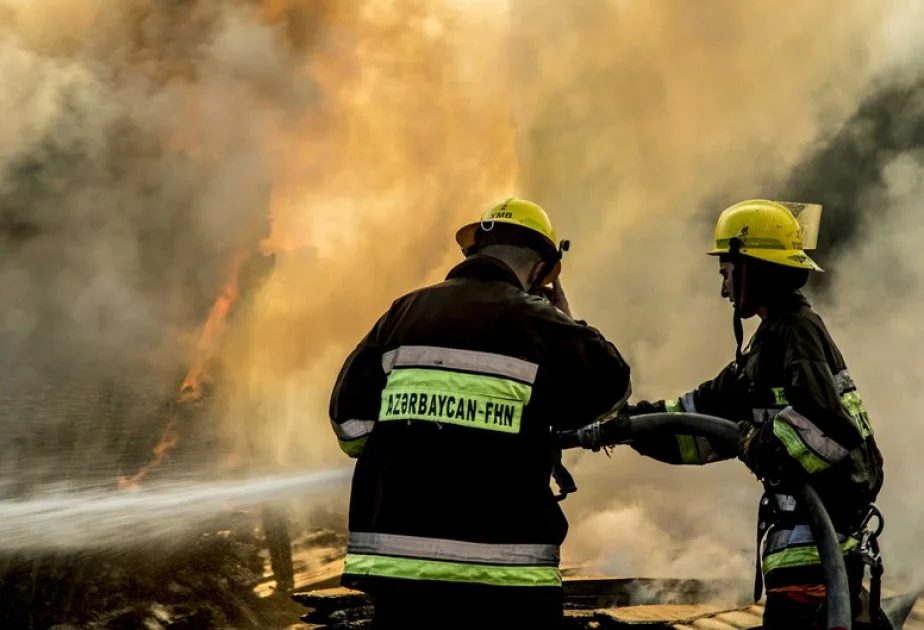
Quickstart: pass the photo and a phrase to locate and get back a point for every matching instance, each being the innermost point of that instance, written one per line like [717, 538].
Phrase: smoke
[148, 143]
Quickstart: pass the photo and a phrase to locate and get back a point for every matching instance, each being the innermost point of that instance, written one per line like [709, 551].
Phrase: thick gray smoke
[131, 171]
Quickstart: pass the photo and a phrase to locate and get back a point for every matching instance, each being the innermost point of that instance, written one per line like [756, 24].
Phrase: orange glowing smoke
[191, 390]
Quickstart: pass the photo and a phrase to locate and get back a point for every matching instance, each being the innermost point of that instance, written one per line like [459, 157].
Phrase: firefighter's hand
[748, 446]
[642, 407]
[556, 295]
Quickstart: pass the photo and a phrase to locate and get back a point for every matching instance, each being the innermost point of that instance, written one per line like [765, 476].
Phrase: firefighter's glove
[749, 446]
[642, 407]
[605, 432]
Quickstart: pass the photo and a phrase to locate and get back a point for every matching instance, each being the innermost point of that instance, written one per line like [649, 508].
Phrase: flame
[192, 389]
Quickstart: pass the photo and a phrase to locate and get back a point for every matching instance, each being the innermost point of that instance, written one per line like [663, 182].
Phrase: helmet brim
[786, 257]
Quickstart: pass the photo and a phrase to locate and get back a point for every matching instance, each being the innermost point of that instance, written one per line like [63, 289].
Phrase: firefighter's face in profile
[725, 269]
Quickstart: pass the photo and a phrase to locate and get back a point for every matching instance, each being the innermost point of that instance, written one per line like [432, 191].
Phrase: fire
[192, 389]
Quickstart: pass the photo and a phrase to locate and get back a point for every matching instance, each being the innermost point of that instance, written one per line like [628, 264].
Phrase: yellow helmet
[766, 230]
[518, 212]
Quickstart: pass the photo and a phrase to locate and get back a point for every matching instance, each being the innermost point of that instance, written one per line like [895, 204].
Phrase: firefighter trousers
[412, 610]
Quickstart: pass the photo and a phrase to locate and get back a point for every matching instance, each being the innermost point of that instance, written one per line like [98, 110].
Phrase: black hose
[723, 435]
[832, 559]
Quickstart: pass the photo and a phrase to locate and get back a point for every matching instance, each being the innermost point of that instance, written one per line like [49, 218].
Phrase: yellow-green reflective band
[854, 405]
[353, 448]
[689, 454]
[796, 447]
[473, 400]
[779, 396]
[435, 570]
[800, 556]
[673, 406]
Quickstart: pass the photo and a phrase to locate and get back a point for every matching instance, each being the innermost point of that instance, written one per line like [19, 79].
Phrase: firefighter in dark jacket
[800, 413]
[449, 404]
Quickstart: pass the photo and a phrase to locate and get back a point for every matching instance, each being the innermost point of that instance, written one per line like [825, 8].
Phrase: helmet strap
[734, 251]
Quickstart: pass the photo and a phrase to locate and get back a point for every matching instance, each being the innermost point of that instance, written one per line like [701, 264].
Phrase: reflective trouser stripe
[436, 570]
[471, 400]
[805, 442]
[779, 539]
[800, 556]
[454, 550]
[461, 360]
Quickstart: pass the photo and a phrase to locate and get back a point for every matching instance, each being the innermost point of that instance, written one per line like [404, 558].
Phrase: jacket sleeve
[815, 430]
[357, 393]
[592, 378]
[717, 397]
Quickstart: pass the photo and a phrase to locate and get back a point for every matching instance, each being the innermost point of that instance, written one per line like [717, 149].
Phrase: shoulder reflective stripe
[434, 570]
[673, 406]
[800, 556]
[352, 429]
[801, 534]
[353, 448]
[453, 550]
[473, 400]
[463, 360]
[687, 401]
[813, 436]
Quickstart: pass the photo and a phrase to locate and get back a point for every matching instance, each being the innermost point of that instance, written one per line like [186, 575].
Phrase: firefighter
[799, 410]
[449, 404]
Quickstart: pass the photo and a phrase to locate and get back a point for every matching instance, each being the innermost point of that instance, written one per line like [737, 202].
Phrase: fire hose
[724, 434]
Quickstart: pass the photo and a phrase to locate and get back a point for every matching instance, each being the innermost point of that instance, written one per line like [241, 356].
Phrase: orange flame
[191, 391]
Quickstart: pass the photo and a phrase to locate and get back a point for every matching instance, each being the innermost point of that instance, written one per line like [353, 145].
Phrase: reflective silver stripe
[464, 360]
[762, 415]
[352, 429]
[812, 435]
[786, 502]
[844, 381]
[687, 401]
[453, 550]
[780, 539]
[706, 453]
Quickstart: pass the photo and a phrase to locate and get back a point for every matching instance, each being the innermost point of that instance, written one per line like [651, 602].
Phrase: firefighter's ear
[537, 274]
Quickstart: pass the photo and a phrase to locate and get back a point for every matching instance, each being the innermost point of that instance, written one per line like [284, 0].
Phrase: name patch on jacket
[473, 400]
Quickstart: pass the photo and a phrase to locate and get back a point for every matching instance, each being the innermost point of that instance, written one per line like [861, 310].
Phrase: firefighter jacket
[802, 419]
[448, 405]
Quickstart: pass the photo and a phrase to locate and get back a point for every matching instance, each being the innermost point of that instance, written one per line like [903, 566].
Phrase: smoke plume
[147, 144]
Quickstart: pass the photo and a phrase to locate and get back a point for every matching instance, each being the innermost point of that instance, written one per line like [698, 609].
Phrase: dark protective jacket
[802, 418]
[448, 403]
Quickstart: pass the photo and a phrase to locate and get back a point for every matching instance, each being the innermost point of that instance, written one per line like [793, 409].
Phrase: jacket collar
[481, 267]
